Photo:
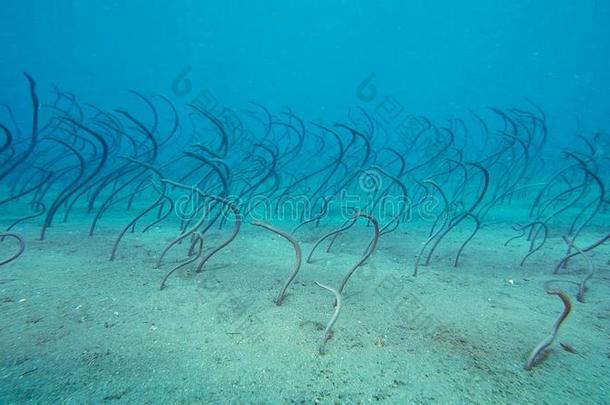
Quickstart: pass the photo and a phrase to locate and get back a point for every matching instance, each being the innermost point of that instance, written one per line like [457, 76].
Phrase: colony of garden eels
[217, 169]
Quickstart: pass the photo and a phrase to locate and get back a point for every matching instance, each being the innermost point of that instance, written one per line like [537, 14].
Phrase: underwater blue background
[438, 58]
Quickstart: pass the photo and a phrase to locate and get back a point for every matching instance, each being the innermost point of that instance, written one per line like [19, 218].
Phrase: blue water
[411, 139]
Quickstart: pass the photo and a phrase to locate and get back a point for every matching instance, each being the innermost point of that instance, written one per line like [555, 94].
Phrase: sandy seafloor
[76, 328]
